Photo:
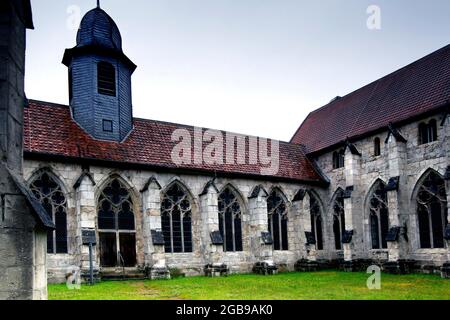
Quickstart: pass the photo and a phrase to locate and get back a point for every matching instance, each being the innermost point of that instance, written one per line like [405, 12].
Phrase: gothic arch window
[176, 218]
[428, 132]
[106, 79]
[316, 221]
[431, 211]
[116, 225]
[339, 159]
[379, 216]
[230, 220]
[278, 220]
[50, 194]
[338, 219]
[376, 147]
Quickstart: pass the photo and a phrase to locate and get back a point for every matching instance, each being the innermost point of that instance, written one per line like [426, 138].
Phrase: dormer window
[106, 79]
[338, 159]
[428, 132]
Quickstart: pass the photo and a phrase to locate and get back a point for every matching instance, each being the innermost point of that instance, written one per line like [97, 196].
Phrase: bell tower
[100, 78]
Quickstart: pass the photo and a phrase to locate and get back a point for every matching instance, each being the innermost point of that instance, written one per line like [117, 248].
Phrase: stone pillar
[211, 238]
[301, 206]
[311, 252]
[23, 246]
[397, 244]
[353, 215]
[261, 241]
[446, 267]
[154, 251]
[86, 210]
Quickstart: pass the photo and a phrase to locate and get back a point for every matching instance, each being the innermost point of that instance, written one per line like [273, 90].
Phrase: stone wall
[22, 242]
[408, 160]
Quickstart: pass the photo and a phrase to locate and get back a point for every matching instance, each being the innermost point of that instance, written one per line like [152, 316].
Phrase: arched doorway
[116, 226]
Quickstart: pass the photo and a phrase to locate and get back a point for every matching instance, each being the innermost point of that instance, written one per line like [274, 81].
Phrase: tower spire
[98, 3]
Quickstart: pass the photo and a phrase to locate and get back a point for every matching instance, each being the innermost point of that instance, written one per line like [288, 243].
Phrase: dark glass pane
[165, 224]
[337, 233]
[438, 224]
[187, 226]
[176, 231]
[106, 217]
[384, 227]
[424, 228]
[276, 231]
[126, 217]
[61, 231]
[229, 231]
[50, 248]
[238, 234]
[284, 234]
[319, 236]
[374, 231]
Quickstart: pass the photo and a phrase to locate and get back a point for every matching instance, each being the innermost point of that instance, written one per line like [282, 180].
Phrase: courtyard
[325, 285]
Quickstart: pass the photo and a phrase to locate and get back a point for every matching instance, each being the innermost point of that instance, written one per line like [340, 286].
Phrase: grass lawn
[326, 285]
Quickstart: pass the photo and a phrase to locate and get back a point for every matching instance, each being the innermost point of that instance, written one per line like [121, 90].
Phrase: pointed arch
[378, 213]
[430, 197]
[116, 222]
[338, 214]
[49, 191]
[316, 213]
[176, 217]
[277, 210]
[230, 203]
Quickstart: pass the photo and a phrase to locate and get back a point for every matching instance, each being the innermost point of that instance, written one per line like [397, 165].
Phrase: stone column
[259, 226]
[446, 266]
[23, 223]
[352, 235]
[86, 211]
[154, 251]
[311, 252]
[301, 206]
[211, 238]
[397, 246]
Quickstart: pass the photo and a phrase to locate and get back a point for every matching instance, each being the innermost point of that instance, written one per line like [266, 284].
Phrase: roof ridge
[385, 76]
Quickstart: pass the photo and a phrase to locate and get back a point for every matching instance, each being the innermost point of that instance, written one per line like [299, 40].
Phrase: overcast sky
[250, 66]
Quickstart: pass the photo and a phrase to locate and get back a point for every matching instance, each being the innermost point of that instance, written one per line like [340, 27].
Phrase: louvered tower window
[106, 79]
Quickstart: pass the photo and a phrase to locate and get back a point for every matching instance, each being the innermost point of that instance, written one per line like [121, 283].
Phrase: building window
[379, 216]
[428, 132]
[107, 126]
[176, 216]
[230, 221]
[278, 220]
[106, 79]
[338, 159]
[116, 226]
[377, 147]
[316, 221]
[431, 211]
[52, 198]
[338, 219]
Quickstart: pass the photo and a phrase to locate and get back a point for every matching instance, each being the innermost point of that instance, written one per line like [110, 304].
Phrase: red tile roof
[418, 88]
[50, 131]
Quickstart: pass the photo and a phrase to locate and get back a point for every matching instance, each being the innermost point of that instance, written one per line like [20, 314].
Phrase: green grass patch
[326, 285]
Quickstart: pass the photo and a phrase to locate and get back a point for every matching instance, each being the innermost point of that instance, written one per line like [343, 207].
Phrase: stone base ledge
[265, 268]
[216, 270]
[306, 266]
[400, 267]
[159, 273]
